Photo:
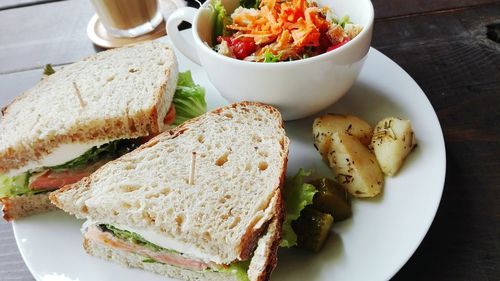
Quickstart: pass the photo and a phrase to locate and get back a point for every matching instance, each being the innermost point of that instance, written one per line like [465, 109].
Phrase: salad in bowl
[275, 31]
[318, 55]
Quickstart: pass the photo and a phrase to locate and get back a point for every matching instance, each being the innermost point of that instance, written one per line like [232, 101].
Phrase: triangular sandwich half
[199, 202]
[80, 117]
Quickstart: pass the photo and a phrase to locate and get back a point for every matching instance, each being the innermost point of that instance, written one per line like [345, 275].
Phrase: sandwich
[198, 202]
[86, 114]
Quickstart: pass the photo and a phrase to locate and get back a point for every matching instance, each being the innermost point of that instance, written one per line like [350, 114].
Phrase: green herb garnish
[48, 70]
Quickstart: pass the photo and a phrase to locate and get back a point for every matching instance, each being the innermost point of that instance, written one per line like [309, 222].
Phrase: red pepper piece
[333, 47]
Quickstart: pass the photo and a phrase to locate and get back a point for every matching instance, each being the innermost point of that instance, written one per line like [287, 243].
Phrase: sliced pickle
[332, 199]
[312, 229]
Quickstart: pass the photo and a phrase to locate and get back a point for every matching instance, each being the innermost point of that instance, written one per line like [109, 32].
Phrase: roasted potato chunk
[326, 125]
[354, 166]
[393, 139]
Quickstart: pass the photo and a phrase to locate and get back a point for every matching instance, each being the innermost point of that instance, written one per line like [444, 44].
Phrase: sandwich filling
[69, 163]
[48, 178]
[131, 242]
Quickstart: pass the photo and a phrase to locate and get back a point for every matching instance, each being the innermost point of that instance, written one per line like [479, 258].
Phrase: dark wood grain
[48, 33]
[458, 67]
[12, 267]
[401, 8]
[13, 84]
[442, 44]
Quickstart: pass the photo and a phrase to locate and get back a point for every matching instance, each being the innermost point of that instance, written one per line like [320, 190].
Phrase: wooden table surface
[447, 46]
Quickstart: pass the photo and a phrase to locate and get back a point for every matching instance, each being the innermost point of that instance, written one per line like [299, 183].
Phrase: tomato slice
[241, 48]
[170, 117]
[50, 180]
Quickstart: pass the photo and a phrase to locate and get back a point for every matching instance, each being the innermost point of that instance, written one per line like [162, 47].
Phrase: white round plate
[373, 245]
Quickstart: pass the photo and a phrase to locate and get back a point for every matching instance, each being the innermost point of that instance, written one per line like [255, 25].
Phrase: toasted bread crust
[279, 216]
[274, 227]
[250, 240]
[21, 206]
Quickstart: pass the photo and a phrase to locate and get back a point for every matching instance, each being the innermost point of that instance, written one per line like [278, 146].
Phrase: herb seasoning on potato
[359, 156]
[393, 139]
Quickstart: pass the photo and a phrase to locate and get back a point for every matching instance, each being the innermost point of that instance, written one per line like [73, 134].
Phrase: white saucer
[100, 36]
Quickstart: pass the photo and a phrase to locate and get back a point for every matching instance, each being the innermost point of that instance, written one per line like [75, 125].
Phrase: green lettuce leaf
[240, 269]
[344, 20]
[111, 150]
[16, 186]
[221, 19]
[189, 99]
[270, 57]
[297, 195]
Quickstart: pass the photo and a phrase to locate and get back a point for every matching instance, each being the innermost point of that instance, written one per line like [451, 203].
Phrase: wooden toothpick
[193, 164]
[77, 94]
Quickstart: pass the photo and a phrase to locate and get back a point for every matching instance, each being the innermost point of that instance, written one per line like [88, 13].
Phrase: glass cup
[128, 18]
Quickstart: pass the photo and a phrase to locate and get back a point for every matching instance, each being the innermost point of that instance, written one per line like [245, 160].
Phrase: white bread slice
[265, 256]
[120, 93]
[241, 155]
[20, 206]
[261, 265]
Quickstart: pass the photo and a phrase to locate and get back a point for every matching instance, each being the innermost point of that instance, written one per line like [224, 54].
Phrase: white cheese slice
[60, 155]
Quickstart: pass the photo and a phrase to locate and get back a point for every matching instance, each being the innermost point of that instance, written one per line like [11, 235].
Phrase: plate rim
[443, 163]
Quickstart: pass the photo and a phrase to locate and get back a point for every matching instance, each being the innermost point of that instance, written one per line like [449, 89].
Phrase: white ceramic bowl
[297, 88]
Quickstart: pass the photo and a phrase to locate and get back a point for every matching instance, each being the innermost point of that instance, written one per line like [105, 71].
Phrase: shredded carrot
[282, 27]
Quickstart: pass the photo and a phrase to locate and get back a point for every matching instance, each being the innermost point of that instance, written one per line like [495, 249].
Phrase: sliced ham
[172, 258]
